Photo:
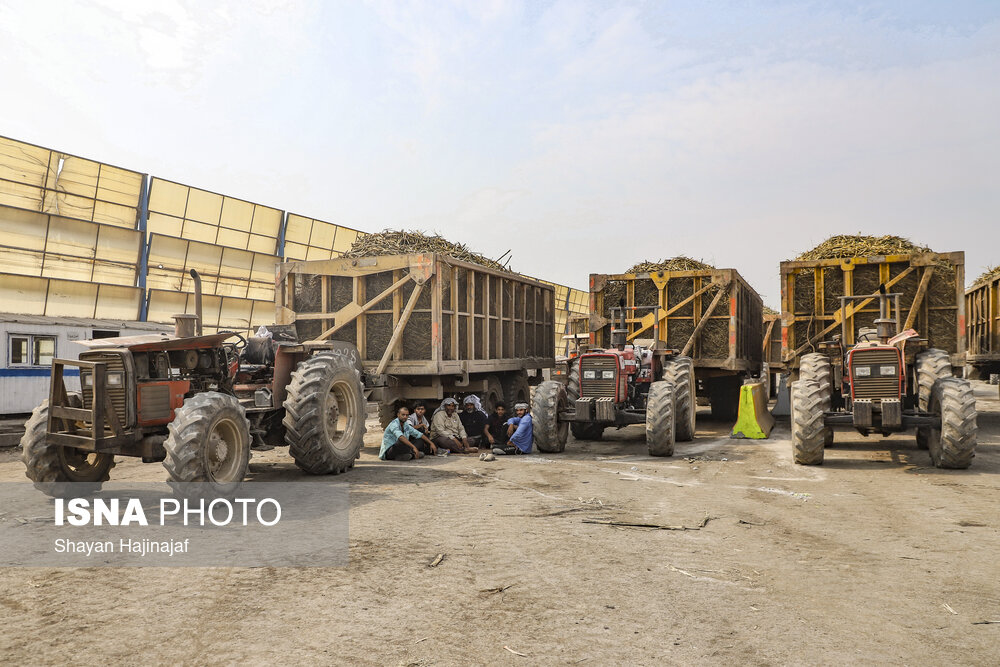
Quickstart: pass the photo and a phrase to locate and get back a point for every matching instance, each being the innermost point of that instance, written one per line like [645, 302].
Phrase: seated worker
[520, 432]
[473, 420]
[418, 419]
[496, 428]
[447, 431]
[402, 442]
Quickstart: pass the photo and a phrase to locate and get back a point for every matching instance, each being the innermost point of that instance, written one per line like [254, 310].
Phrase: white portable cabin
[28, 343]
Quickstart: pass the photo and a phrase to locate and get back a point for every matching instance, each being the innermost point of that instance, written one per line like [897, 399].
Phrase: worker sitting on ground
[447, 431]
[474, 420]
[402, 442]
[418, 419]
[519, 431]
[496, 428]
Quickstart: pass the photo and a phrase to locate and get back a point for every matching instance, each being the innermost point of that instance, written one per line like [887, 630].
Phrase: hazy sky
[586, 135]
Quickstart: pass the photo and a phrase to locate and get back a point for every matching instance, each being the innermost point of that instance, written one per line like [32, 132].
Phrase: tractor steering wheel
[237, 347]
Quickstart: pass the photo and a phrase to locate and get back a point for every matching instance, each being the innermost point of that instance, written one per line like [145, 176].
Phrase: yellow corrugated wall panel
[265, 244]
[259, 292]
[24, 262]
[204, 206]
[116, 302]
[71, 299]
[298, 229]
[118, 245]
[20, 195]
[164, 304]
[167, 198]
[22, 229]
[167, 225]
[205, 258]
[266, 221]
[23, 294]
[197, 231]
[110, 274]
[71, 237]
[236, 313]
[264, 268]
[68, 205]
[72, 175]
[69, 268]
[119, 186]
[345, 239]
[233, 239]
[23, 163]
[295, 251]
[237, 214]
[323, 234]
[114, 214]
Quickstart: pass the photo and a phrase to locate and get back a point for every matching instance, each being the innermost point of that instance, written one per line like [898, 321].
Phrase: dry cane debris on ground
[402, 242]
[844, 246]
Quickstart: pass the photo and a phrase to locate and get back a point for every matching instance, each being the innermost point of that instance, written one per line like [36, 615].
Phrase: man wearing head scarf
[520, 430]
[447, 431]
[473, 419]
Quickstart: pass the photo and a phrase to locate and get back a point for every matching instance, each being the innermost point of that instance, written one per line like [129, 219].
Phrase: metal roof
[83, 323]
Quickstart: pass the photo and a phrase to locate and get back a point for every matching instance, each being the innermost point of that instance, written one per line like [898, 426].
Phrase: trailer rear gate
[982, 307]
[933, 300]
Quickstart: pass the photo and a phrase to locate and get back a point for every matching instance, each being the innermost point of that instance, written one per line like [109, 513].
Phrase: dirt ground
[875, 557]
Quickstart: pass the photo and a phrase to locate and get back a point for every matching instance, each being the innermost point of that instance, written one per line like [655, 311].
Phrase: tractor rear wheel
[208, 443]
[817, 368]
[931, 365]
[549, 432]
[573, 380]
[325, 415]
[587, 431]
[809, 400]
[954, 444]
[53, 468]
[516, 389]
[660, 424]
[680, 373]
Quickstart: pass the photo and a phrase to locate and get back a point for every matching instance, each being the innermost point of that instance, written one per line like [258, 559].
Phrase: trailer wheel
[516, 389]
[931, 365]
[387, 412]
[549, 432]
[586, 431]
[680, 373]
[493, 394]
[208, 443]
[954, 444]
[53, 467]
[660, 423]
[809, 400]
[325, 415]
[817, 368]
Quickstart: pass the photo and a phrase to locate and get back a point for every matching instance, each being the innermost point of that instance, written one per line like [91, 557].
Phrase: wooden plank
[397, 334]
[67, 413]
[918, 298]
[704, 319]
[351, 311]
[112, 416]
[767, 340]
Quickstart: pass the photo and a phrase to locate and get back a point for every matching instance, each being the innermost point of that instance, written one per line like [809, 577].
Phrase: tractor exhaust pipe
[883, 324]
[197, 301]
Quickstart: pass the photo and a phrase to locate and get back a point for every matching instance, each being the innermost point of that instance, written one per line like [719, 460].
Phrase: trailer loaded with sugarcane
[423, 326]
[982, 307]
[662, 335]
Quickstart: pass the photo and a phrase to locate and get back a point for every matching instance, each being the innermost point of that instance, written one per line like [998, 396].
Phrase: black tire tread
[956, 446]
[680, 373]
[809, 400]
[660, 423]
[188, 432]
[549, 432]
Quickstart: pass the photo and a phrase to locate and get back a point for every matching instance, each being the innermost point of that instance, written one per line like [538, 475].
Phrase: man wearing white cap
[447, 431]
[520, 430]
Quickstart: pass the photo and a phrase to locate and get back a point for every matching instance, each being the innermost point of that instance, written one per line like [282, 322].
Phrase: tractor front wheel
[208, 443]
[660, 424]
[549, 433]
[953, 445]
[53, 467]
[809, 434]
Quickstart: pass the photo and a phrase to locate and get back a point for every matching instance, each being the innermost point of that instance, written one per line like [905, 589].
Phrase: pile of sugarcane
[770, 311]
[990, 273]
[403, 242]
[858, 245]
[679, 263]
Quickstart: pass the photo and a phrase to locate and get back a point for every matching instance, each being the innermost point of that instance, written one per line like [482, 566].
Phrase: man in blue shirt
[402, 442]
[520, 431]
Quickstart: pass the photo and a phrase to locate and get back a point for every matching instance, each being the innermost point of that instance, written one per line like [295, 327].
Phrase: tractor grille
[115, 364]
[875, 387]
[598, 387]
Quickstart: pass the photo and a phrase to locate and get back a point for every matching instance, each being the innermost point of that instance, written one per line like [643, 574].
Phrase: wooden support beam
[918, 298]
[704, 319]
[345, 315]
[767, 340]
[397, 334]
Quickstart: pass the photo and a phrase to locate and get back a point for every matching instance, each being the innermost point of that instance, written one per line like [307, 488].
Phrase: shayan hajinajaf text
[125, 546]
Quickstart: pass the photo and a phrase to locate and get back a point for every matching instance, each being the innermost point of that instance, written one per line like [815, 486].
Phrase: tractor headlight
[608, 375]
[114, 379]
[886, 370]
[589, 375]
[88, 380]
[862, 371]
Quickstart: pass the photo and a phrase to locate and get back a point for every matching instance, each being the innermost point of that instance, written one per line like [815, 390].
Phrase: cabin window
[31, 350]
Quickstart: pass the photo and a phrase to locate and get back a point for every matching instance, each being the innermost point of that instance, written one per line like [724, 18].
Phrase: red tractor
[888, 382]
[626, 384]
[196, 403]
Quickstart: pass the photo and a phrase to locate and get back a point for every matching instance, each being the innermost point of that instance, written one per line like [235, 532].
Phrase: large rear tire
[573, 380]
[325, 415]
[817, 368]
[52, 468]
[680, 373]
[208, 443]
[493, 395]
[587, 431]
[932, 364]
[809, 400]
[954, 444]
[549, 432]
[660, 424]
